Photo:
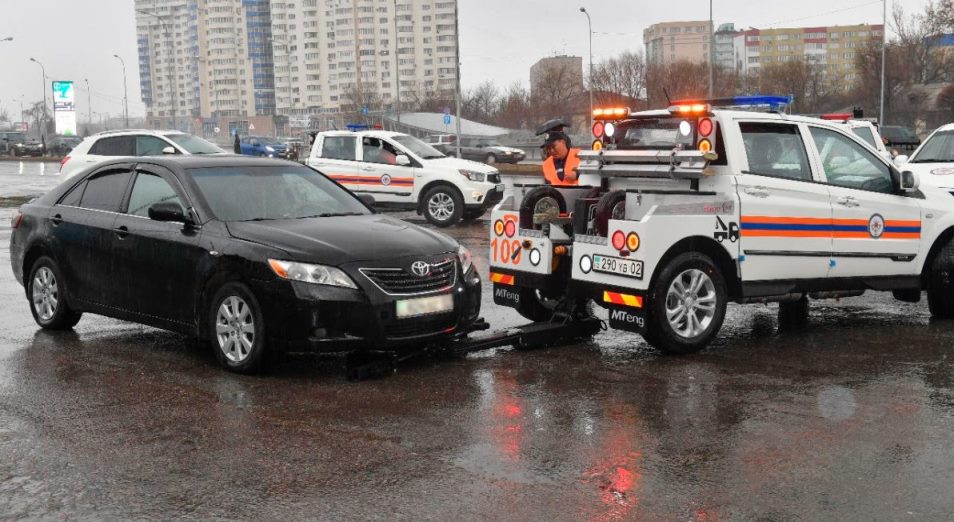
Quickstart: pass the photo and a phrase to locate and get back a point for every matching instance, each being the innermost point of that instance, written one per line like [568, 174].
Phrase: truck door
[877, 230]
[337, 159]
[785, 214]
[380, 174]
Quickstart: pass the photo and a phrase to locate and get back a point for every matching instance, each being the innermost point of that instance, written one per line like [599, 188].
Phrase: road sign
[364, 110]
[251, 126]
[447, 119]
[446, 110]
[216, 129]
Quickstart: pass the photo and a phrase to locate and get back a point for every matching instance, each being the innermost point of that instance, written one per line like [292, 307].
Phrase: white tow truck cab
[682, 210]
[400, 170]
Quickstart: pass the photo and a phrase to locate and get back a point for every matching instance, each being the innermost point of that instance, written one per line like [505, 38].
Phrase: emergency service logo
[876, 226]
[386, 180]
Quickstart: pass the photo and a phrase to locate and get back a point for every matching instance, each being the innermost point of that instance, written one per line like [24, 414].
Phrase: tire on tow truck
[612, 205]
[540, 200]
[689, 286]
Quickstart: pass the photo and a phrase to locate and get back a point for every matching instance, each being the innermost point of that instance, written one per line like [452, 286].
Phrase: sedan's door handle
[121, 231]
[848, 201]
[367, 168]
[758, 192]
[56, 220]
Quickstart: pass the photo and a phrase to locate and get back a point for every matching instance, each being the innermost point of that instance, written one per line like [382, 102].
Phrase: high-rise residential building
[568, 70]
[834, 48]
[725, 47]
[670, 42]
[254, 66]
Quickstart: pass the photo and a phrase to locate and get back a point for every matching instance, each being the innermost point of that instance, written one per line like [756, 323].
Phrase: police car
[683, 210]
[403, 171]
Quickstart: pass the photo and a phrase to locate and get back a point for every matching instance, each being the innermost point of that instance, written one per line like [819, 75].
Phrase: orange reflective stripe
[634, 301]
[503, 279]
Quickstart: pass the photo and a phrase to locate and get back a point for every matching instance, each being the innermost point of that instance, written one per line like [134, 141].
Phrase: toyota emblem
[420, 268]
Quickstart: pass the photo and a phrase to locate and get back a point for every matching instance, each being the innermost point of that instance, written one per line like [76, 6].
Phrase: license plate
[618, 266]
[424, 306]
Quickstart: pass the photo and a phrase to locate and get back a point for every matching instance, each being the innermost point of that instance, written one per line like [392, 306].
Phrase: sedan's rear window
[279, 192]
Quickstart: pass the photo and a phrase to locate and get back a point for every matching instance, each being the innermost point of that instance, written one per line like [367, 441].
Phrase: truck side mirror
[909, 181]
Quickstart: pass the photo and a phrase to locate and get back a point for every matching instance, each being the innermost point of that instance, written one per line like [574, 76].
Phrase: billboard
[64, 107]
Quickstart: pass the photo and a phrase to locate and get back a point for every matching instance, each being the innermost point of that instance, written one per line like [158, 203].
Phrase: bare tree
[620, 80]
[481, 103]
[916, 40]
[682, 79]
[514, 110]
[945, 101]
[553, 90]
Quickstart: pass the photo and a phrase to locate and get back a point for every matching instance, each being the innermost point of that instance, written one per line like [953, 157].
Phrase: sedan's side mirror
[367, 199]
[909, 181]
[900, 160]
[168, 211]
[402, 160]
[169, 150]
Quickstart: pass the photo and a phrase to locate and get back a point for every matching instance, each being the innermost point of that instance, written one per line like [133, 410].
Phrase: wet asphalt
[849, 418]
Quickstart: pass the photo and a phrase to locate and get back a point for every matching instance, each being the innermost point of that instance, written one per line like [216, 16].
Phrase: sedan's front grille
[493, 178]
[398, 281]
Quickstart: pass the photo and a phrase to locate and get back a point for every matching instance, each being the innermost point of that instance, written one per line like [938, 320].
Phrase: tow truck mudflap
[559, 330]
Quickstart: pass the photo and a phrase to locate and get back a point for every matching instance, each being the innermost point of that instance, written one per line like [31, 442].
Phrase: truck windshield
[655, 134]
[418, 147]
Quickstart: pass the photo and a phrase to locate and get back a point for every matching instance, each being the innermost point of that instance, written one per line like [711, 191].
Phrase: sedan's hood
[338, 240]
[457, 163]
[511, 150]
[933, 174]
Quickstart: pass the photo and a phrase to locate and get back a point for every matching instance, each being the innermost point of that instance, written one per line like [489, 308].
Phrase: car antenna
[668, 99]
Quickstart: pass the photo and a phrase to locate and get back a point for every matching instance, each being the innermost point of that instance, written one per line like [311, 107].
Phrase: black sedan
[251, 254]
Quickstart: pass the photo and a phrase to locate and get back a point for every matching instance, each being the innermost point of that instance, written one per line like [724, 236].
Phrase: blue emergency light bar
[354, 127]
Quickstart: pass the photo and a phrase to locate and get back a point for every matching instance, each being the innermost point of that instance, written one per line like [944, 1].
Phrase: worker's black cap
[556, 124]
[555, 136]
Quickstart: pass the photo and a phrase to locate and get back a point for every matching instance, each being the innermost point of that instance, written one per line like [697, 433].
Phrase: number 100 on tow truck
[682, 210]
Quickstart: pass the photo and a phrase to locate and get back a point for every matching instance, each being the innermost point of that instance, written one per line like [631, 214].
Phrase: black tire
[659, 332]
[529, 204]
[443, 206]
[940, 287]
[52, 293]
[235, 350]
[793, 315]
[611, 206]
[471, 215]
[490, 159]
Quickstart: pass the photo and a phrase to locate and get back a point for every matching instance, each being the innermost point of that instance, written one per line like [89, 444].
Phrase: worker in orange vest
[561, 161]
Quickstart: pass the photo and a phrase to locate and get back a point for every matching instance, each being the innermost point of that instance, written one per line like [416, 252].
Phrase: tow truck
[681, 210]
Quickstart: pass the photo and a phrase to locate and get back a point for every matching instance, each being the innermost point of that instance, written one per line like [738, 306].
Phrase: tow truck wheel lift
[560, 329]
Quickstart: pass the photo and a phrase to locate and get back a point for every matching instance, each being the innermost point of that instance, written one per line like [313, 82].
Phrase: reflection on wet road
[850, 418]
[28, 178]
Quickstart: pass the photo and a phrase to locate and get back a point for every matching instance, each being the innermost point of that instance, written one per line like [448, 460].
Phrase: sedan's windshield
[418, 147]
[279, 192]
[938, 149]
[15, 136]
[194, 145]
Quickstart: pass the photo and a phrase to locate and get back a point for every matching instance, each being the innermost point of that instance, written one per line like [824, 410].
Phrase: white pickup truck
[682, 210]
[401, 170]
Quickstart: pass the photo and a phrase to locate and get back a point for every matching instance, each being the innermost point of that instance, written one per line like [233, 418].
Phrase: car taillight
[63, 161]
[17, 219]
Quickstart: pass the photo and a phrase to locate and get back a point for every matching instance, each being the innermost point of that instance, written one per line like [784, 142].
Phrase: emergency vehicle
[682, 210]
[866, 129]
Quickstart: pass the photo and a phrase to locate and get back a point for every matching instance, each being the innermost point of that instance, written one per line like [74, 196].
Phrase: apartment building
[725, 55]
[670, 42]
[834, 48]
[262, 66]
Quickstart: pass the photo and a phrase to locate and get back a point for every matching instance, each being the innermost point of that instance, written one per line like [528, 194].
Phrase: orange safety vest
[568, 172]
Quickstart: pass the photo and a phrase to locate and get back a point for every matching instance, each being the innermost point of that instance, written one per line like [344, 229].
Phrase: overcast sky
[500, 39]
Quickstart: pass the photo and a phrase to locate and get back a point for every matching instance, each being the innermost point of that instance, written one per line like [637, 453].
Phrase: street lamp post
[43, 97]
[125, 91]
[589, 24]
[89, 103]
[397, 67]
[711, 49]
[457, 60]
[884, 44]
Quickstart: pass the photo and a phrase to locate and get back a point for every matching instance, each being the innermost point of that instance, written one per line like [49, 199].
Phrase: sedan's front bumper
[302, 317]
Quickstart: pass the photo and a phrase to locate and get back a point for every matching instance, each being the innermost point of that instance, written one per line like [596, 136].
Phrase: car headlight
[269, 148]
[466, 259]
[316, 274]
[472, 175]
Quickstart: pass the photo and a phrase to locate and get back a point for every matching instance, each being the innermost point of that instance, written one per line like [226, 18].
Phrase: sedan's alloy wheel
[46, 294]
[441, 206]
[235, 328]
